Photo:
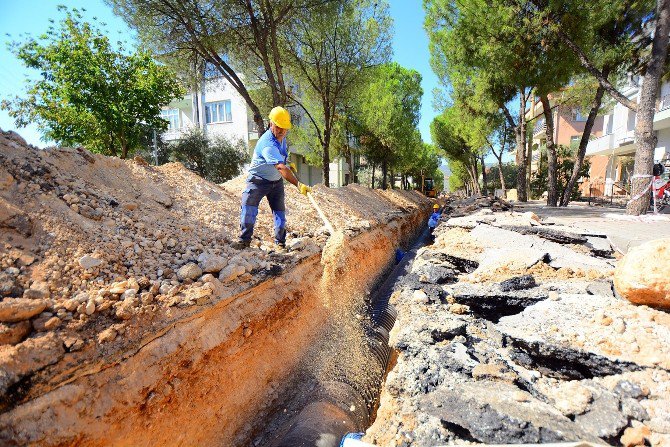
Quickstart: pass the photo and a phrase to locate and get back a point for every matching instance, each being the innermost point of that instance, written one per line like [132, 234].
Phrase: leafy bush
[215, 158]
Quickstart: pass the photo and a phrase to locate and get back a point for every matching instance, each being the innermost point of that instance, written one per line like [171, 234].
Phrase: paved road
[622, 231]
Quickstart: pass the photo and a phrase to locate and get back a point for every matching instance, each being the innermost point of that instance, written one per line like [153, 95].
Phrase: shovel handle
[323, 216]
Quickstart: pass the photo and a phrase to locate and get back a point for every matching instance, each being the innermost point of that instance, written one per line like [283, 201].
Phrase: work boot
[240, 244]
[280, 247]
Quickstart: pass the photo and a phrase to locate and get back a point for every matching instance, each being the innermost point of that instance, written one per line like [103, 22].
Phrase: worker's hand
[294, 168]
[304, 189]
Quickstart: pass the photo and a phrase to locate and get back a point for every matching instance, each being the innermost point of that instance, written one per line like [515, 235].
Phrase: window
[218, 112]
[172, 117]
[577, 115]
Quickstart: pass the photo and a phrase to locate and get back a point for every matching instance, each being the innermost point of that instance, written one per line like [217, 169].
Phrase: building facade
[612, 154]
[220, 111]
[569, 123]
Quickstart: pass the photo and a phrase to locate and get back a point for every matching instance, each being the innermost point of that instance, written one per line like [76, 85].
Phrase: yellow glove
[293, 167]
[304, 189]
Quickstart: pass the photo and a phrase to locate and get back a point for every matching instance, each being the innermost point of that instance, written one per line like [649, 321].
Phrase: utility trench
[239, 371]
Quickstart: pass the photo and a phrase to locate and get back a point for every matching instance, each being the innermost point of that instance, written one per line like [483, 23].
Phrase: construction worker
[269, 165]
[434, 218]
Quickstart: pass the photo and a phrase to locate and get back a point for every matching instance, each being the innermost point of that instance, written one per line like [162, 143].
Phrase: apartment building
[569, 122]
[219, 110]
[612, 154]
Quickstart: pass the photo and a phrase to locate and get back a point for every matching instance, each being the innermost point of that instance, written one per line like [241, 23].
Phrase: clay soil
[115, 251]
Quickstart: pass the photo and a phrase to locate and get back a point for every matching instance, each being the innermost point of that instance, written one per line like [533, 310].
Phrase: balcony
[540, 127]
[664, 103]
[174, 134]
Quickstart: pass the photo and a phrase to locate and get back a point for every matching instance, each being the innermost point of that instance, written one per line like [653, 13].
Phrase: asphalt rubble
[509, 331]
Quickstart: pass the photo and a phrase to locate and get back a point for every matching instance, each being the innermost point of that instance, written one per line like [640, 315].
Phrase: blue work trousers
[256, 189]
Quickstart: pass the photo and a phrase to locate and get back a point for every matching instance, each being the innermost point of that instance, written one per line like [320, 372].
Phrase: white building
[611, 154]
[219, 110]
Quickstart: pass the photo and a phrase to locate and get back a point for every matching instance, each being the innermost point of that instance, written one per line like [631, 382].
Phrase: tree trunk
[326, 157]
[520, 132]
[373, 176]
[501, 175]
[581, 152]
[352, 170]
[552, 162]
[384, 171]
[644, 130]
[484, 180]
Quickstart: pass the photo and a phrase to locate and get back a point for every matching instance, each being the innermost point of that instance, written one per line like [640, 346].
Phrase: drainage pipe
[345, 404]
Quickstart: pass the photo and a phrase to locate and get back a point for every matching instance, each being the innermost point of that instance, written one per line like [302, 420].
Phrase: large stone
[189, 271]
[231, 272]
[210, 263]
[642, 275]
[11, 334]
[28, 357]
[88, 262]
[19, 309]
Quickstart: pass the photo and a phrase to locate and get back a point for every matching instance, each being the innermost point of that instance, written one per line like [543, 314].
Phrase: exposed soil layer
[163, 334]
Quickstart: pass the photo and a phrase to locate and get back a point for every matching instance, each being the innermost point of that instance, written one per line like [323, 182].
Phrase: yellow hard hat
[280, 117]
[436, 206]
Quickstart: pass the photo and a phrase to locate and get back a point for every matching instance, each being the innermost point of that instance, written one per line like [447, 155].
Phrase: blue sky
[410, 46]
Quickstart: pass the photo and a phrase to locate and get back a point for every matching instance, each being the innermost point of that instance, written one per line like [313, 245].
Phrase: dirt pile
[508, 331]
[99, 252]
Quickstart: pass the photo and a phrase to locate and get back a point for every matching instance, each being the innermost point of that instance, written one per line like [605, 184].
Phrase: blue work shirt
[267, 154]
[433, 219]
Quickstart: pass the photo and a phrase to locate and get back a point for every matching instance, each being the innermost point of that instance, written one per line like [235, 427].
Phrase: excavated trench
[219, 376]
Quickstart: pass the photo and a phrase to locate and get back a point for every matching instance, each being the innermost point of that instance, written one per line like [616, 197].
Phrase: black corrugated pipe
[346, 403]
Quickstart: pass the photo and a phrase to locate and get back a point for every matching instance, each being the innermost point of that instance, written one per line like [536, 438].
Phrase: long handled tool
[326, 222]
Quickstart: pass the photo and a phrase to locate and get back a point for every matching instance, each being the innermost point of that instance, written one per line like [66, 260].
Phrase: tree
[229, 37]
[564, 167]
[214, 158]
[636, 19]
[90, 93]
[330, 46]
[385, 115]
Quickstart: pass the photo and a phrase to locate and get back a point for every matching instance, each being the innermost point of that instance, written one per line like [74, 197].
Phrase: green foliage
[384, 116]
[510, 171]
[90, 93]
[459, 176]
[564, 168]
[216, 159]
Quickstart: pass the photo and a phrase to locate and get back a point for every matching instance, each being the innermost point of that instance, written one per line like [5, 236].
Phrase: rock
[210, 263]
[641, 276]
[34, 294]
[635, 436]
[90, 213]
[19, 309]
[125, 310]
[88, 262]
[13, 333]
[90, 307]
[189, 271]
[118, 288]
[518, 283]
[73, 344]
[458, 309]
[603, 416]
[419, 296]
[231, 272]
[296, 243]
[8, 285]
[436, 274]
[28, 357]
[52, 323]
[490, 412]
[130, 206]
[107, 335]
[571, 398]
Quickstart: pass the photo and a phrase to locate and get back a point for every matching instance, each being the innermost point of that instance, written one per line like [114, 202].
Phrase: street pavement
[622, 231]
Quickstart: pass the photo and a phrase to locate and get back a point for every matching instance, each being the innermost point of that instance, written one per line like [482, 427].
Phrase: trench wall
[205, 378]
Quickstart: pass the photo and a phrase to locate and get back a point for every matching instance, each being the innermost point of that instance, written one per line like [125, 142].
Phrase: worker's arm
[286, 172]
